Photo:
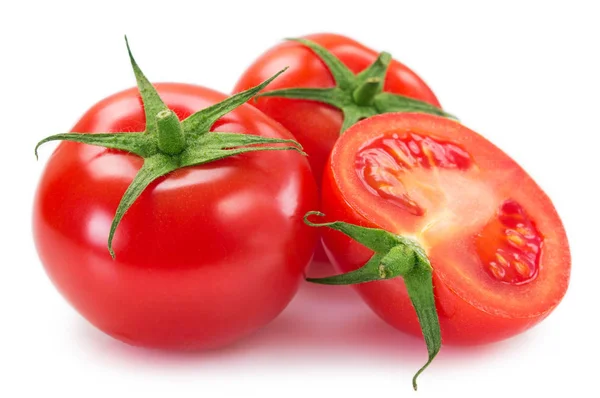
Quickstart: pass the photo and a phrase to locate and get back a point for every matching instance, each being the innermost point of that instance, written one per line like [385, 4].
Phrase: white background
[525, 75]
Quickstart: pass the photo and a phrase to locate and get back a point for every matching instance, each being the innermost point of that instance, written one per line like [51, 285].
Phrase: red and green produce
[446, 210]
[176, 217]
[205, 227]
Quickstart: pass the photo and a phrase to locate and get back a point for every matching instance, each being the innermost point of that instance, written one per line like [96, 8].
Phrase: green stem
[395, 256]
[167, 145]
[358, 96]
[171, 140]
[366, 92]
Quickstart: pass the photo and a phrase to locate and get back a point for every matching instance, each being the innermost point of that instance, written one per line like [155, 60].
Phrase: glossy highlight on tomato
[315, 125]
[498, 249]
[206, 255]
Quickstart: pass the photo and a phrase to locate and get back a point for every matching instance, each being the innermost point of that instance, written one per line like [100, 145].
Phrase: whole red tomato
[205, 255]
[318, 123]
[495, 242]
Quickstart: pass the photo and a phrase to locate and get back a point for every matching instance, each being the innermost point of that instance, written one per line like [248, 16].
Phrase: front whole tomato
[205, 227]
[332, 82]
[482, 252]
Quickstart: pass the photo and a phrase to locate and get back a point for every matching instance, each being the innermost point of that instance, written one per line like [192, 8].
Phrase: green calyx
[394, 256]
[358, 96]
[168, 144]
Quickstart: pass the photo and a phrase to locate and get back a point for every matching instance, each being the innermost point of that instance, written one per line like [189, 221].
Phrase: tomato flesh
[384, 166]
[197, 248]
[499, 252]
[384, 163]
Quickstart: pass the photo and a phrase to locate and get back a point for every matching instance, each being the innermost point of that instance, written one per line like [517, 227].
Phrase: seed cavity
[382, 165]
[510, 245]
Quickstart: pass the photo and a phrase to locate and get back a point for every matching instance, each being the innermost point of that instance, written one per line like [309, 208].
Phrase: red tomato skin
[315, 125]
[205, 256]
[461, 322]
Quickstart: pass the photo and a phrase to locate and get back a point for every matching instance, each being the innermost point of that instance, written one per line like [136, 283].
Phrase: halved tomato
[498, 249]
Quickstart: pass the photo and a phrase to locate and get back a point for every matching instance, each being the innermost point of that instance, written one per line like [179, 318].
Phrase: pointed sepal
[203, 120]
[388, 102]
[154, 167]
[153, 104]
[343, 76]
[375, 239]
[378, 69]
[136, 143]
[419, 284]
[331, 96]
[210, 147]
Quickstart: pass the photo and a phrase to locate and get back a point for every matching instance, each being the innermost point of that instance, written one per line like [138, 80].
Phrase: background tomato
[206, 255]
[497, 246]
[315, 125]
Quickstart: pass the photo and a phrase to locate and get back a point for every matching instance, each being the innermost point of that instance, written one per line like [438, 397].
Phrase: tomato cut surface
[498, 248]
[385, 166]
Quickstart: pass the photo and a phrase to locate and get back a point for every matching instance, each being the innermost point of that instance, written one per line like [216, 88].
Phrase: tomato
[317, 125]
[498, 249]
[206, 254]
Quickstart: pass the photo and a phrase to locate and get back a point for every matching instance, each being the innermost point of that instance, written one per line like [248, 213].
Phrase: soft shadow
[322, 323]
